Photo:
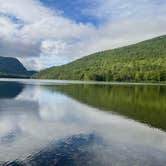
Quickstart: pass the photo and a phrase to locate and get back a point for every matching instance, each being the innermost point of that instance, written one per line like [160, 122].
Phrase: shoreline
[52, 82]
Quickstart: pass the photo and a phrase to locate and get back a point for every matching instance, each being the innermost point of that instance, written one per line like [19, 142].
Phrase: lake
[67, 123]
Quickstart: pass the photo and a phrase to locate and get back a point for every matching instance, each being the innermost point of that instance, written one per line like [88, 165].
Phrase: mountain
[144, 61]
[12, 67]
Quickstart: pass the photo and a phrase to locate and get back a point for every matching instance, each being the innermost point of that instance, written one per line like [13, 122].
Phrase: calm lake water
[62, 123]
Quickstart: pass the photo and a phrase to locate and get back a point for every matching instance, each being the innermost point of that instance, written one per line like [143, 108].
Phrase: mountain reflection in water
[146, 103]
[10, 89]
[66, 125]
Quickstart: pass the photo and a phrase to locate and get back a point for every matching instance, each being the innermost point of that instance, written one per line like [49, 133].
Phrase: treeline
[4, 75]
[145, 61]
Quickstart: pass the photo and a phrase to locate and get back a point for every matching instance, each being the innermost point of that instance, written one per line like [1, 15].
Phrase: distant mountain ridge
[144, 61]
[12, 67]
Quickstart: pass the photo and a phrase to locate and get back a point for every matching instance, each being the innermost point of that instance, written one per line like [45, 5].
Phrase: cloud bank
[41, 36]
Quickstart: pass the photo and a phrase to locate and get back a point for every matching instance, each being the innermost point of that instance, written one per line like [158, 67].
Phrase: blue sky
[74, 10]
[44, 33]
[86, 11]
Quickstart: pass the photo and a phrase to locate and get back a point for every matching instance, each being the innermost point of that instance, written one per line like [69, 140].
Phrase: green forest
[141, 62]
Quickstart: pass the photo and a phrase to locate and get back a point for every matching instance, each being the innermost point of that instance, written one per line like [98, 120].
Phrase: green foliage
[145, 61]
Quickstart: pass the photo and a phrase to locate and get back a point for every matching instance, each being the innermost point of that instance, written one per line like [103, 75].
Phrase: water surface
[63, 123]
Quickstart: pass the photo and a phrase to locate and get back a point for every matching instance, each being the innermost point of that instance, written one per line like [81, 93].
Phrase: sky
[44, 33]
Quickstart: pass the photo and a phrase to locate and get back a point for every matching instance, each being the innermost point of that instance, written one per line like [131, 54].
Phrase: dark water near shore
[67, 124]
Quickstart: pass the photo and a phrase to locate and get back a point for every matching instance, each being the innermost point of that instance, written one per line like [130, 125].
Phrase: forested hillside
[144, 61]
[12, 67]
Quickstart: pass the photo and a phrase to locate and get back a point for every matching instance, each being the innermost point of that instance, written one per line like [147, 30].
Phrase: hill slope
[144, 61]
[12, 67]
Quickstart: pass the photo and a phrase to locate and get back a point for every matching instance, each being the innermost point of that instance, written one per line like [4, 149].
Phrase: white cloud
[28, 10]
[7, 29]
[51, 47]
[34, 33]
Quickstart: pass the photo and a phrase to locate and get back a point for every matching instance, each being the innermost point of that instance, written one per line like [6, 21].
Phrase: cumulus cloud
[35, 33]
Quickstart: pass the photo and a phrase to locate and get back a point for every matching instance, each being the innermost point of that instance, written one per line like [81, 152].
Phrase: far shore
[52, 82]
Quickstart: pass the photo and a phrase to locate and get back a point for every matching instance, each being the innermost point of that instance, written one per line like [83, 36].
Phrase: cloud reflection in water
[44, 126]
